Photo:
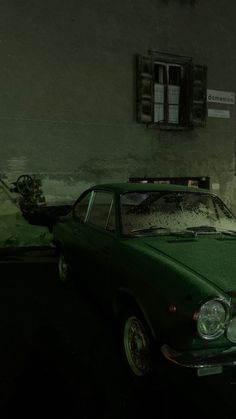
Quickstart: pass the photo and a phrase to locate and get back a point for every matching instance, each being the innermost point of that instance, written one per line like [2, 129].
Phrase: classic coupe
[162, 259]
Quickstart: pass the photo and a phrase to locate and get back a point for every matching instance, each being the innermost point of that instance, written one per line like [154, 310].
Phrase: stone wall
[67, 83]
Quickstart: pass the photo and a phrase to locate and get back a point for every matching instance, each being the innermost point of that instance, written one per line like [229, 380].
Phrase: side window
[111, 221]
[102, 211]
[171, 91]
[81, 207]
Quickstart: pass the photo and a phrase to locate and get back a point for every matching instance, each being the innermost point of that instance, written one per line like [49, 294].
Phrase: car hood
[212, 257]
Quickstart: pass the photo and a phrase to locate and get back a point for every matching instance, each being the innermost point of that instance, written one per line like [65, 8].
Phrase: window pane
[173, 117]
[158, 112]
[173, 94]
[160, 73]
[159, 93]
[159, 100]
[111, 222]
[167, 80]
[100, 209]
[80, 209]
[173, 100]
[174, 75]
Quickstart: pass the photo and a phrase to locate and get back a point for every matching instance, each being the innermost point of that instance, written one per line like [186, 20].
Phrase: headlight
[211, 319]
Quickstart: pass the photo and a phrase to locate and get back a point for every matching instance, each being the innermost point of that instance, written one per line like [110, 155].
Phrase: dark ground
[59, 356]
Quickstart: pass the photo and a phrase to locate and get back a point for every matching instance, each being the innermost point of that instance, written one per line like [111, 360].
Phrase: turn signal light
[172, 308]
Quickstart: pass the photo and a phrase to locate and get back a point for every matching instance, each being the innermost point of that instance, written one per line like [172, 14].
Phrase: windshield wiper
[203, 229]
[189, 231]
[165, 231]
[211, 230]
[151, 229]
[228, 232]
[195, 231]
[183, 233]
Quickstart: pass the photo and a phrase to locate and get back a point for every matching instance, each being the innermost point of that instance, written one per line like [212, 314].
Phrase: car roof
[136, 187]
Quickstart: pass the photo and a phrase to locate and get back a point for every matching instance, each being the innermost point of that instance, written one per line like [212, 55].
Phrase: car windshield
[152, 213]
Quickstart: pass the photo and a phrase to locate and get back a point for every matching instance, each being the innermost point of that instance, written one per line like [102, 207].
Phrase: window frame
[216, 201]
[166, 85]
[190, 107]
[78, 201]
[93, 193]
[91, 206]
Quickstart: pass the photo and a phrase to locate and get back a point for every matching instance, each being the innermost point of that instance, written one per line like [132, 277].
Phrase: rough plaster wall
[67, 103]
[15, 231]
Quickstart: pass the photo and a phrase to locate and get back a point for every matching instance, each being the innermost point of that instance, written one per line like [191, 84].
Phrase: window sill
[169, 127]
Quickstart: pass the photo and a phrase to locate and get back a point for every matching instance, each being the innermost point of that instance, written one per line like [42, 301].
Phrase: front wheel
[137, 344]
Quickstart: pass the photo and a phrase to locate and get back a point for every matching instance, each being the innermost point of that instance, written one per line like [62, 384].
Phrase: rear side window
[81, 207]
[101, 213]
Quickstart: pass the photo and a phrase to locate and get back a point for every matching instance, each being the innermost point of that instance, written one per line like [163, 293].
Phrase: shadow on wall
[63, 191]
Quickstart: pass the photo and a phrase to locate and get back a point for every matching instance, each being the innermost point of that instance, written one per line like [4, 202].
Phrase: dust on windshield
[151, 212]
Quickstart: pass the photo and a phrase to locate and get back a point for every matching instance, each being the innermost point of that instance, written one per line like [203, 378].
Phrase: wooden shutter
[199, 85]
[186, 96]
[144, 89]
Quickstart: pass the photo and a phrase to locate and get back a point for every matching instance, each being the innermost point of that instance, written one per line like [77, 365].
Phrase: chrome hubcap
[137, 346]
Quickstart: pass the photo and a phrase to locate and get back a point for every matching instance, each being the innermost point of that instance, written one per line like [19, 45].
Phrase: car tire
[63, 268]
[137, 345]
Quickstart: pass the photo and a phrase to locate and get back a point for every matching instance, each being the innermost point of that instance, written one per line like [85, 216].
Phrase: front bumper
[206, 361]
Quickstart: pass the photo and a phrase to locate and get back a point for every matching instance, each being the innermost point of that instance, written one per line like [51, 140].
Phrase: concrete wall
[67, 93]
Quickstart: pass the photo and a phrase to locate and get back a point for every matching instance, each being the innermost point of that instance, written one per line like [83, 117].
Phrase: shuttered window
[171, 91]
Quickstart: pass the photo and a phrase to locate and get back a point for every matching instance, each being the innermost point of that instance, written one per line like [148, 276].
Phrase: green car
[162, 259]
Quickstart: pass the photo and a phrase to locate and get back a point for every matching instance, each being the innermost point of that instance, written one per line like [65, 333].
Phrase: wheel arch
[125, 299]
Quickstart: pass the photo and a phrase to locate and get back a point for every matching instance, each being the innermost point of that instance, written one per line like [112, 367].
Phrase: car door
[101, 234]
[78, 244]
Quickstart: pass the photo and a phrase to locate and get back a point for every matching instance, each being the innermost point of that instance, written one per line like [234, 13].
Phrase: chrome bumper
[212, 359]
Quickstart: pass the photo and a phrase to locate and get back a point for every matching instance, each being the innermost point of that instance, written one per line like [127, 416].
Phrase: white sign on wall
[218, 96]
[218, 113]
[215, 186]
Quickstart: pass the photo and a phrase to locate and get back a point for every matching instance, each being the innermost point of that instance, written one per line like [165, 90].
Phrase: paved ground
[59, 355]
